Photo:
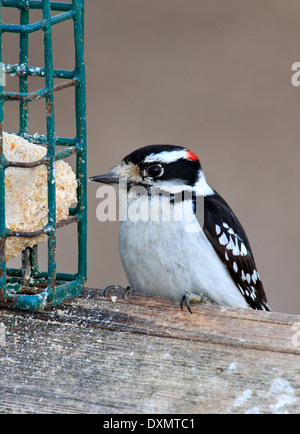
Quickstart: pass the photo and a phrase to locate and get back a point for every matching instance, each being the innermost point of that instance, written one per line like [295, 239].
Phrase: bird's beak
[108, 178]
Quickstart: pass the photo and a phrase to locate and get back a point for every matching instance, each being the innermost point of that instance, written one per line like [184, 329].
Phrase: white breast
[163, 258]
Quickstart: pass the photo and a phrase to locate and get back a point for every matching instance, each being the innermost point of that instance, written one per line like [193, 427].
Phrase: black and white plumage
[230, 241]
[214, 264]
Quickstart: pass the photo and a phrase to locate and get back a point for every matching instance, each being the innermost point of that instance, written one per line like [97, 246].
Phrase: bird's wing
[227, 236]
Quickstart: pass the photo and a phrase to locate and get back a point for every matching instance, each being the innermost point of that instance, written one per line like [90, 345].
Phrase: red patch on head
[191, 156]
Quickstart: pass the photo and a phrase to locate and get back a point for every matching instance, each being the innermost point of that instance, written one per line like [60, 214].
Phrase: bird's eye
[154, 171]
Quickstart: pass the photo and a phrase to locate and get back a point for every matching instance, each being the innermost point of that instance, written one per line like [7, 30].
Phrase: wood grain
[144, 355]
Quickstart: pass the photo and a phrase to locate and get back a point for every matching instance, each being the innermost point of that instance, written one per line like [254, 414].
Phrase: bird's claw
[124, 291]
[186, 300]
[196, 298]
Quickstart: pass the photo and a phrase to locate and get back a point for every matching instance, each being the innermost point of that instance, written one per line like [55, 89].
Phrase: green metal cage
[29, 287]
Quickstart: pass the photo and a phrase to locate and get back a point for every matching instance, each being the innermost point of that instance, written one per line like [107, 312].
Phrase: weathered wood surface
[144, 355]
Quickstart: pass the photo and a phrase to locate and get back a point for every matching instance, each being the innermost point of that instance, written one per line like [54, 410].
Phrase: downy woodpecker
[173, 249]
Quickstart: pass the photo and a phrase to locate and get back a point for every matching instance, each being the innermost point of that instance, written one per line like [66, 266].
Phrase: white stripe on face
[166, 156]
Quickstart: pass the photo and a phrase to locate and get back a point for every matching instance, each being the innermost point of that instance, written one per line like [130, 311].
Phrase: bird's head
[168, 168]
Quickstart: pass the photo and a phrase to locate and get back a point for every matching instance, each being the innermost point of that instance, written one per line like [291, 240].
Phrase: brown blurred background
[213, 75]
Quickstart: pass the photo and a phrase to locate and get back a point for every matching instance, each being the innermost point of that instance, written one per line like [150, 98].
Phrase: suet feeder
[29, 287]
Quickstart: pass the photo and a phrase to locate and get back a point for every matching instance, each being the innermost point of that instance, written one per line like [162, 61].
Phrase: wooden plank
[144, 355]
[163, 317]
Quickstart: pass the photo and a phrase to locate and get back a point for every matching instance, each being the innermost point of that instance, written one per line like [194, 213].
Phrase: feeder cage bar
[29, 287]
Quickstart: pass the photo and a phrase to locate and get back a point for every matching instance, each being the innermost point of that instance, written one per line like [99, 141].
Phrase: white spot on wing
[253, 293]
[233, 245]
[244, 251]
[254, 277]
[218, 229]
[223, 240]
[235, 267]
[230, 245]
[236, 249]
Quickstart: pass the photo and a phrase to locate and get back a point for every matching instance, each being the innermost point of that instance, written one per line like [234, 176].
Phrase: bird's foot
[124, 291]
[186, 300]
[194, 298]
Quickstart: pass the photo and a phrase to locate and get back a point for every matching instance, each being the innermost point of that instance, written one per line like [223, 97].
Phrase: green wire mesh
[28, 287]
